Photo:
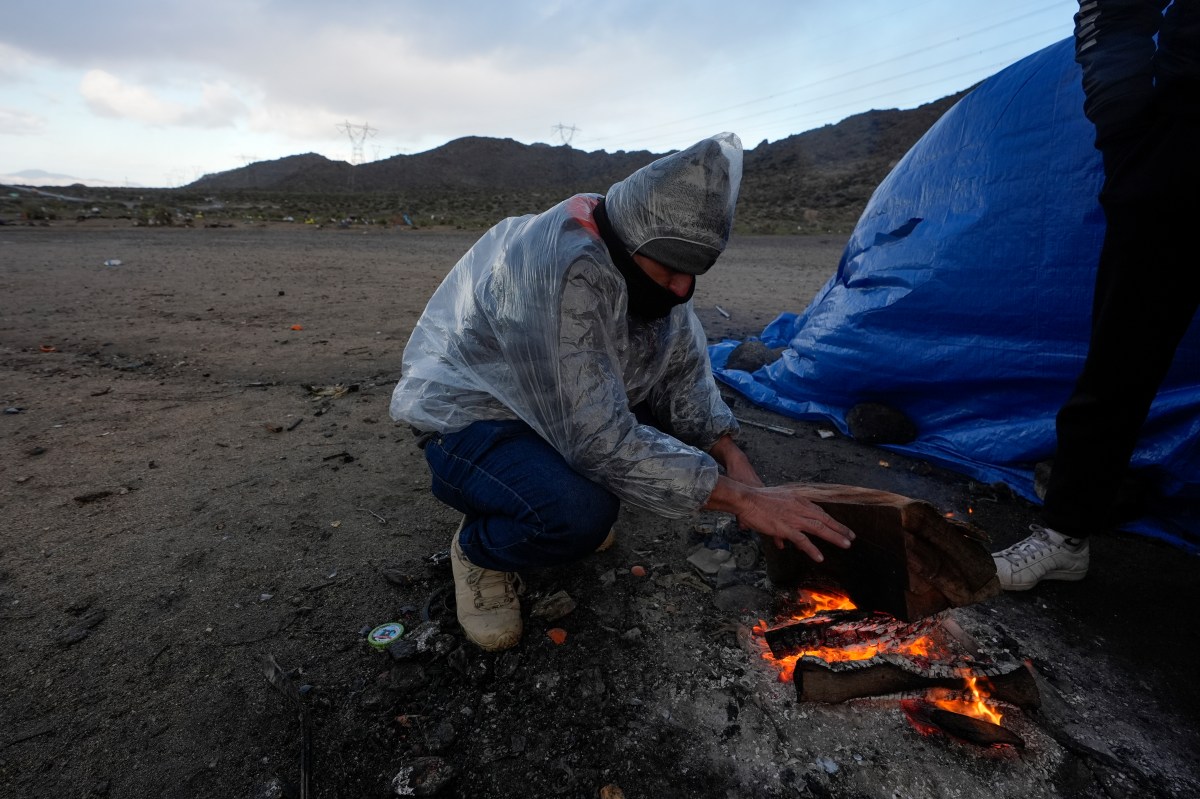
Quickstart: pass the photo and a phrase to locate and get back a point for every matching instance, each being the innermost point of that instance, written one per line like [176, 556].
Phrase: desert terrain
[199, 472]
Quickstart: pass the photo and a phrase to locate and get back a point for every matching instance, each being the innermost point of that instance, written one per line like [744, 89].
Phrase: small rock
[404, 649]
[708, 561]
[553, 607]
[398, 578]
[425, 634]
[1041, 478]
[828, 765]
[751, 355]
[272, 789]
[441, 737]
[423, 776]
[727, 574]
[876, 423]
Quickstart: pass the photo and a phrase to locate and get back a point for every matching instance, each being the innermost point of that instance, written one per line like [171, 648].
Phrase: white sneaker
[1045, 555]
[488, 608]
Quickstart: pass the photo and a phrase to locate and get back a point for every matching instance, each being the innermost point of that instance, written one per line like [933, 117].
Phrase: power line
[662, 129]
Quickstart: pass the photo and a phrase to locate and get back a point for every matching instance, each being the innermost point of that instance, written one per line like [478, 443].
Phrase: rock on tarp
[963, 299]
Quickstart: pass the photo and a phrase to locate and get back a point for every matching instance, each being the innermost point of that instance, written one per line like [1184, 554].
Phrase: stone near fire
[907, 559]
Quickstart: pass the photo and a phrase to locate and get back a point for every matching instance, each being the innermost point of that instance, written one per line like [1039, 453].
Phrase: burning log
[820, 681]
[843, 629]
[907, 559]
[926, 718]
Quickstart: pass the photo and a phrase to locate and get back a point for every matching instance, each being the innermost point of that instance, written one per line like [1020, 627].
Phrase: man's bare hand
[782, 512]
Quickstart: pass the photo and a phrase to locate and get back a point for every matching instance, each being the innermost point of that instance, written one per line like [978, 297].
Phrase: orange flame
[810, 603]
[975, 706]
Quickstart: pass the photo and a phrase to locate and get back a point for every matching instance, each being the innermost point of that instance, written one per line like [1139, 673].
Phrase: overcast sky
[158, 93]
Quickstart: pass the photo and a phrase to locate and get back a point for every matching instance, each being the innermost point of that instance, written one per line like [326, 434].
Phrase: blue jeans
[525, 507]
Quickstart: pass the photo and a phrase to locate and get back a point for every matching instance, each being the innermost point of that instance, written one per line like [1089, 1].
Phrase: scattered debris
[111, 262]
[381, 519]
[331, 392]
[557, 634]
[637, 571]
[722, 311]
[422, 776]
[282, 683]
[787, 431]
[708, 561]
[553, 607]
[927, 718]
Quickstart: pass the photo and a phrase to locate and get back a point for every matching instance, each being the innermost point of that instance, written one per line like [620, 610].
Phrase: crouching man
[559, 370]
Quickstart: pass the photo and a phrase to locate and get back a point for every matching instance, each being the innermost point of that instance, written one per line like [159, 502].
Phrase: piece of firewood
[957, 725]
[907, 559]
[816, 681]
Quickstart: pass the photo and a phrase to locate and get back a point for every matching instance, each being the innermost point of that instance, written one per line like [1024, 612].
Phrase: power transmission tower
[565, 133]
[249, 161]
[358, 134]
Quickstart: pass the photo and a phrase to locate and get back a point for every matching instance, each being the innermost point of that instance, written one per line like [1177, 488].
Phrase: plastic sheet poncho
[531, 324]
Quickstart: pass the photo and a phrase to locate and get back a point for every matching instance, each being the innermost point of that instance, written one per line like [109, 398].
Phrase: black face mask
[647, 299]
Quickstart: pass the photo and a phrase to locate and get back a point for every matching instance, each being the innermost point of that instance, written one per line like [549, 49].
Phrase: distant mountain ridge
[811, 181]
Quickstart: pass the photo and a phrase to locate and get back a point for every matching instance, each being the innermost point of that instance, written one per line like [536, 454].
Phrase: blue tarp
[963, 299]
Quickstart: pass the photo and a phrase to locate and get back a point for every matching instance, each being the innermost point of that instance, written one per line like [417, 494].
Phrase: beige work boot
[608, 541]
[488, 608]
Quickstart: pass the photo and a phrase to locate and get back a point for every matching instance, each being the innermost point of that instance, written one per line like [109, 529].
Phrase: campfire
[834, 652]
[875, 620]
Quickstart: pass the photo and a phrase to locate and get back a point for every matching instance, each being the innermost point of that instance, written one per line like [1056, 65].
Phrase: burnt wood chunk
[817, 681]
[843, 628]
[907, 559]
[925, 715]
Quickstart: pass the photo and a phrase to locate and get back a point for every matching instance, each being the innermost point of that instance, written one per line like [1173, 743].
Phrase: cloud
[15, 63]
[109, 96]
[20, 123]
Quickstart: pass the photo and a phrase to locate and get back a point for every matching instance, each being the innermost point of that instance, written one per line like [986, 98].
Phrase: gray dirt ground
[180, 500]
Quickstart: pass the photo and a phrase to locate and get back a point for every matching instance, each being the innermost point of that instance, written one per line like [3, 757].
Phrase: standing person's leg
[523, 506]
[1147, 282]
[1146, 289]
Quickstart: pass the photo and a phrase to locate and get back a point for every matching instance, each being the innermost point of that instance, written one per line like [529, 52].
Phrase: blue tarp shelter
[963, 299]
